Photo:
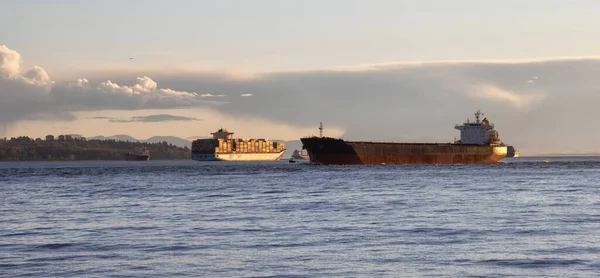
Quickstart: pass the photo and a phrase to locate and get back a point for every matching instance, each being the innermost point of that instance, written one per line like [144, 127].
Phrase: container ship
[143, 155]
[223, 147]
[479, 143]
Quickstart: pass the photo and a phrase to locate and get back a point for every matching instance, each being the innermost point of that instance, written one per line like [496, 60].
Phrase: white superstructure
[478, 132]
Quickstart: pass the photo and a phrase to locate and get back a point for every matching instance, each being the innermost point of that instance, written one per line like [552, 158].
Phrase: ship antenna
[477, 114]
[321, 130]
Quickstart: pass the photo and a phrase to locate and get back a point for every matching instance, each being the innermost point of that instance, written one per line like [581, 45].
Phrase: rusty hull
[339, 152]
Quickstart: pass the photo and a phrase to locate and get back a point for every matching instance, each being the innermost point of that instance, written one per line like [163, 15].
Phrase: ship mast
[321, 130]
[477, 114]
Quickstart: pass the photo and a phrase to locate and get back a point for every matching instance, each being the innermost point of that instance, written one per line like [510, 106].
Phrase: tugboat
[143, 155]
[298, 155]
[512, 152]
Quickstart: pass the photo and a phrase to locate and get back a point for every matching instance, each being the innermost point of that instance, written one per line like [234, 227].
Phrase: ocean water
[522, 217]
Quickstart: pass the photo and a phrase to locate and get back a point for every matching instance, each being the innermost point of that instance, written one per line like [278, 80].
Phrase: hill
[120, 137]
[173, 140]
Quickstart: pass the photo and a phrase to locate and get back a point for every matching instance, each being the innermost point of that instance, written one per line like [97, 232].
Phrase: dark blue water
[525, 217]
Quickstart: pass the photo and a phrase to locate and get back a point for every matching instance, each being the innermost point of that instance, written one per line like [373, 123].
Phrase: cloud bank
[538, 105]
[147, 119]
[144, 94]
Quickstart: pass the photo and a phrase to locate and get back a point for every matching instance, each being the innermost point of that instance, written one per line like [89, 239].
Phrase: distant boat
[292, 160]
[298, 155]
[143, 155]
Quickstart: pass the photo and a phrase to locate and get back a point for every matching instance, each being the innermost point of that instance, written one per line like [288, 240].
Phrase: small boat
[143, 155]
[292, 160]
[299, 155]
[512, 152]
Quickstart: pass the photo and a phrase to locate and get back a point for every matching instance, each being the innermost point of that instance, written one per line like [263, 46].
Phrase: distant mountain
[198, 137]
[171, 140]
[119, 137]
[154, 139]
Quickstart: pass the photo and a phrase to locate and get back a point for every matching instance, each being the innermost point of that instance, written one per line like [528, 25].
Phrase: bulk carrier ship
[223, 147]
[479, 143]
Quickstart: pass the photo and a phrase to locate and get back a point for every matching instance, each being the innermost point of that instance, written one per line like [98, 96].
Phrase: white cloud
[495, 93]
[10, 66]
[23, 95]
[211, 95]
[145, 93]
[10, 62]
[33, 95]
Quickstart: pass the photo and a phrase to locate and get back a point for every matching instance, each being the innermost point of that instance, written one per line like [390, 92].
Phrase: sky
[369, 70]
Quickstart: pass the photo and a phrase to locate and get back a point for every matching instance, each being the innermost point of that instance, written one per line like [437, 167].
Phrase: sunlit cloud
[495, 93]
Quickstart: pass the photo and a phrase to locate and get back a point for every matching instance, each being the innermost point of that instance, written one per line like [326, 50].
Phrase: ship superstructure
[479, 143]
[224, 147]
[478, 132]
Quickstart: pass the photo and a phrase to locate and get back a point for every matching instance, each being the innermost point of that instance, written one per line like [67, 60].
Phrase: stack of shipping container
[220, 146]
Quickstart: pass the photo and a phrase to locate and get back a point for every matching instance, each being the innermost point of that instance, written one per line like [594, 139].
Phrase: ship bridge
[478, 132]
[222, 134]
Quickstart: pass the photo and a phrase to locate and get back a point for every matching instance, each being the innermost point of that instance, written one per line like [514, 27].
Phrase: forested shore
[28, 149]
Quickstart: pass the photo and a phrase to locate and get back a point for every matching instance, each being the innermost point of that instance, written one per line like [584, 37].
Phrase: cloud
[81, 95]
[100, 118]
[246, 95]
[211, 95]
[146, 119]
[23, 95]
[495, 93]
[32, 95]
[10, 62]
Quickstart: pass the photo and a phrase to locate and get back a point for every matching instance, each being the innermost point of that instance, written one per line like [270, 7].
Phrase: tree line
[27, 149]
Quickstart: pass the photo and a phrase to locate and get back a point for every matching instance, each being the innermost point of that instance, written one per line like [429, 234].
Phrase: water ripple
[525, 217]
